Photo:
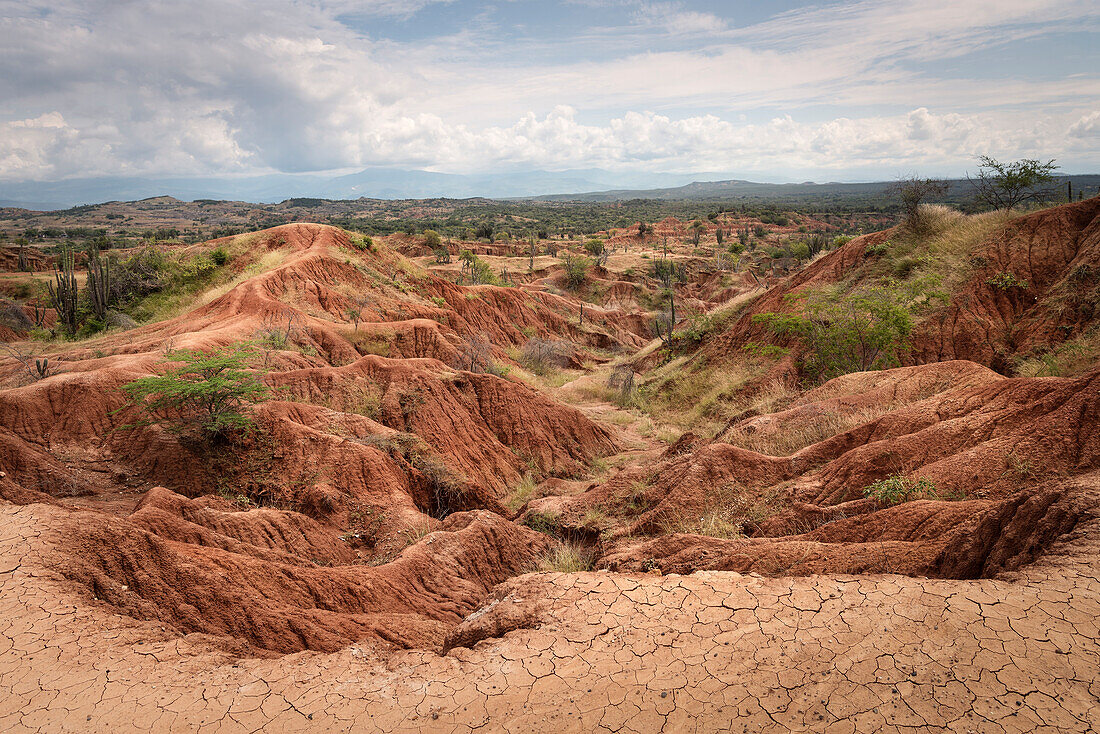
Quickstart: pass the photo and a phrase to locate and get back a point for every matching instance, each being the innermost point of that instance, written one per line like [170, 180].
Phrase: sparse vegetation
[576, 270]
[541, 356]
[523, 493]
[730, 512]
[1004, 281]
[567, 558]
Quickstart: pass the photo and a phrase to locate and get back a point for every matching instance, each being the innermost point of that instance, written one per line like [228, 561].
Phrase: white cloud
[673, 17]
[108, 88]
[1086, 127]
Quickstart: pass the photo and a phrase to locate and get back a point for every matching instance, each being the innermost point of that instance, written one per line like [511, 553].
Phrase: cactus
[63, 292]
[99, 283]
[42, 366]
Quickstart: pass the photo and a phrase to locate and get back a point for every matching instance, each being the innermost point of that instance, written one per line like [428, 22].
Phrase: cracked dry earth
[589, 652]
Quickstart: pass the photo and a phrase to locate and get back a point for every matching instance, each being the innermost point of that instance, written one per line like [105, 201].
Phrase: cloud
[403, 9]
[1086, 127]
[99, 87]
[673, 17]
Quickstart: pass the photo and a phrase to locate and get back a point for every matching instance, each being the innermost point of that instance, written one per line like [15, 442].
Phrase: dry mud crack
[705, 652]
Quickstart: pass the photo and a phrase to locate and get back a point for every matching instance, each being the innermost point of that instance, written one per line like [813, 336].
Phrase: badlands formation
[423, 532]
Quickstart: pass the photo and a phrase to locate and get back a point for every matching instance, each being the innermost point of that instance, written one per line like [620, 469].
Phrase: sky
[769, 91]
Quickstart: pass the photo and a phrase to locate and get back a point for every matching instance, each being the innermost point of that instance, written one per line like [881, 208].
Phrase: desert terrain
[632, 482]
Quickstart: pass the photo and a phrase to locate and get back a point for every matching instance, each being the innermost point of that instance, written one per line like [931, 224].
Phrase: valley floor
[714, 651]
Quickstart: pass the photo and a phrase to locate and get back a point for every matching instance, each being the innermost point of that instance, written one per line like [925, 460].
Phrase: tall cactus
[63, 292]
[99, 283]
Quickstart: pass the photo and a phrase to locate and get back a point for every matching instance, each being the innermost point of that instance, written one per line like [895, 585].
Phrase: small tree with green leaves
[597, 248]
[1007, 185]
[210, 391]
[697, 229]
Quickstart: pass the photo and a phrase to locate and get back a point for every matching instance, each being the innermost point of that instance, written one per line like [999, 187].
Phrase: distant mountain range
[372, 183]
[589, 185]
[748, 191]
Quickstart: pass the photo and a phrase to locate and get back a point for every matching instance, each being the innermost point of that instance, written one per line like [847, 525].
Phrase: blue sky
[761, 90]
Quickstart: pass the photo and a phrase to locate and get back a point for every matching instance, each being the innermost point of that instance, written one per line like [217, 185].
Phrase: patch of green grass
[522, 494]
[898, 488]
[542, 522]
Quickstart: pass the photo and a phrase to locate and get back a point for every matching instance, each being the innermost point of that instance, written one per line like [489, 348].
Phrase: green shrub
[769, 351]
[1003, 281]
[480, 272]
[877, 250]
[208, 390]
[576, 270]
[219, 256]
[697, 328]
[362, 242]
[866, 330]
[898, 488]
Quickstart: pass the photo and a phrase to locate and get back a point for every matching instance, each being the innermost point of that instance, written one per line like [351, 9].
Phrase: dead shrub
[544, 355]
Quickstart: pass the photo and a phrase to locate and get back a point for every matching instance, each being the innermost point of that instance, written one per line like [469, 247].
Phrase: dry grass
[267, 261]
[368, 343]
[619, 418]
[728, 513]
[800, 433]
[945, 244]
[565, 557]
[696, 399]
[770, 398]
[594, 517]
[415, 532]
[1070, 359]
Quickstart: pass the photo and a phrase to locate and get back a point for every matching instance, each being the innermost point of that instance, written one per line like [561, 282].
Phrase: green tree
[208, 390]
[484, 231]
[432, 238]
[1007, 185]
[697, 229]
